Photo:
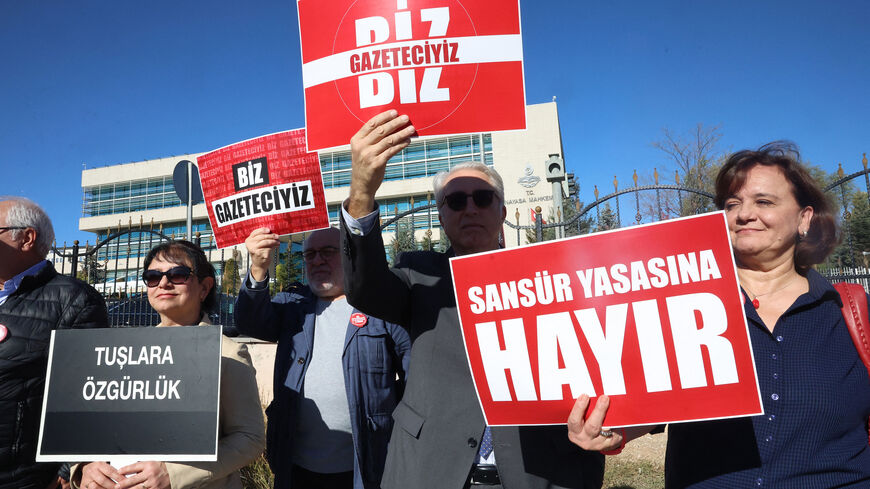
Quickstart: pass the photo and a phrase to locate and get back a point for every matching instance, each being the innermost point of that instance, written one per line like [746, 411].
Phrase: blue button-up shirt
[11, 285]
[816, 395]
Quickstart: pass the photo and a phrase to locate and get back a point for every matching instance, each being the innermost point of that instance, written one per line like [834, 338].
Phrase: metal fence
[113, 266]
[656, 202]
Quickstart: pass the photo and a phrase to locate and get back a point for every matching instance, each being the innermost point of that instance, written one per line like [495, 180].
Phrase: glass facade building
[422, 158]
[129, 196]
[122, 257]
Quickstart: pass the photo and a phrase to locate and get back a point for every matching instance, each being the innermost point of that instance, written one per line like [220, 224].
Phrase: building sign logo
[453, 66]
[528, 180]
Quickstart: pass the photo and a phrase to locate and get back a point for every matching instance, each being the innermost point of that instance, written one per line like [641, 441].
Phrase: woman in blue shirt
[814, 386]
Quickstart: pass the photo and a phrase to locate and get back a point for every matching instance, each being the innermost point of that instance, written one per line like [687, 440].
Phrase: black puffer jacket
[41, 303]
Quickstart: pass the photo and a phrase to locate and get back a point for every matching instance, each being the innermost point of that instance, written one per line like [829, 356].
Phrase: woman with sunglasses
[181, 288]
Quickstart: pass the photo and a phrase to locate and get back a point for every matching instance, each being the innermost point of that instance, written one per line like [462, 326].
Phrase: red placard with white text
[454, 66]
[270, 181]
[650, 315]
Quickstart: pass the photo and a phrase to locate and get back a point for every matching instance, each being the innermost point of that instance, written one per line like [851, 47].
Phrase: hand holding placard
[152, 475]
[260, 244]
[99, 475]
[586, 433]
[372, 146]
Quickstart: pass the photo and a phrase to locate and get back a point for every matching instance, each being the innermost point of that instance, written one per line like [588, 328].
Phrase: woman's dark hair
[183, 252]
[824, 232]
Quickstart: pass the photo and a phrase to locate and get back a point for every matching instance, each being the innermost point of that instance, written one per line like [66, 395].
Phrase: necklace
[755, 296]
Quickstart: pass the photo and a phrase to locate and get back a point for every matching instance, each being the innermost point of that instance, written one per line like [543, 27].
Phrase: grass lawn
[633, 474]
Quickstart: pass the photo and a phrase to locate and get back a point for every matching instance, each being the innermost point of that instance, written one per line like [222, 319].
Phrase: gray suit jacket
[439, 423]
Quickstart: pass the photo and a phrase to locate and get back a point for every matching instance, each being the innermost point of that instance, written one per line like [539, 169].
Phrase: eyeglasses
[458, 201]
[326, 253]
[7, 228]
[176, 275]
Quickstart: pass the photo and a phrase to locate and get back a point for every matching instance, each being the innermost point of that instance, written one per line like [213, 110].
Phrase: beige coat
[241, 432]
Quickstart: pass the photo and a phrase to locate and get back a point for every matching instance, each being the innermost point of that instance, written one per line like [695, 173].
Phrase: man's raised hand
[260, 244]
[377, 141]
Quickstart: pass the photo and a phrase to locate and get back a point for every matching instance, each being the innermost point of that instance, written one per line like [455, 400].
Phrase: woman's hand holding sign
[371, 147]
[147, 475]
[99, 475]
[590, 433]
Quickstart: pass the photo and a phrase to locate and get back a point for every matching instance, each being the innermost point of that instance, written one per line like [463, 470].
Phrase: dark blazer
[375, 360]
[439, 421]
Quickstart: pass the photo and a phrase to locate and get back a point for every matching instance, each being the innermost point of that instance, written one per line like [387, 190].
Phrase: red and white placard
[650, 315]
[270, 181]
[454, 66]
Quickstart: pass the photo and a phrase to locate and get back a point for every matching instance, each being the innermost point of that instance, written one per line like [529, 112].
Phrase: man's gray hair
[26, 213]
[492, 175]
[330, 230]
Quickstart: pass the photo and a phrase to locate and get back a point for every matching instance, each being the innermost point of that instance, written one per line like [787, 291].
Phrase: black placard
[151, 393]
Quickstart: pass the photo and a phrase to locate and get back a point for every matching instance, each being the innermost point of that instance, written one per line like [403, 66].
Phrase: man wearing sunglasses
[34, 300]
[440, 440]
[338, 372]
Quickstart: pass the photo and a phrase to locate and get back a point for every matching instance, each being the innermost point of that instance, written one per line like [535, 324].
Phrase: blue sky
[99, 82]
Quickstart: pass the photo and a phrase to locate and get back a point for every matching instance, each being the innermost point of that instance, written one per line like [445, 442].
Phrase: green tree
[582, 225]
[606, 219]
[91, 271]
[855, 226]
[427, 244]
[547, 234]
[851, 208]
[230, 280]
[288, 270]
[403, 239]
[576, 225]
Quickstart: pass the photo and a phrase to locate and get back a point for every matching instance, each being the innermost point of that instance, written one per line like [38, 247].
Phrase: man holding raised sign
[338, 373]
[440, 439]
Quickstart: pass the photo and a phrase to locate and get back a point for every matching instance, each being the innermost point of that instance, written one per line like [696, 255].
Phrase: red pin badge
[358, 319]
[3, 332]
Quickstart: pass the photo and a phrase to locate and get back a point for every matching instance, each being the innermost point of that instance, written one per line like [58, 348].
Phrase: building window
[420, 159]
[129, 196]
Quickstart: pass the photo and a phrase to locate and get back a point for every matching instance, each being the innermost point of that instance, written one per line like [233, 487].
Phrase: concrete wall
[263, 356]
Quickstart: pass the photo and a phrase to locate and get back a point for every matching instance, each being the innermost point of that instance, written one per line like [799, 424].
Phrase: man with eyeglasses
[440, 440]
[338, 372]
[34, 300]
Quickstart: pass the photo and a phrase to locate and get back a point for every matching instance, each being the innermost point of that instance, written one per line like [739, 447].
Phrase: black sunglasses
[326, 253]
[458, 201]
[176, 275]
